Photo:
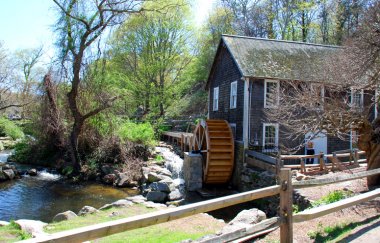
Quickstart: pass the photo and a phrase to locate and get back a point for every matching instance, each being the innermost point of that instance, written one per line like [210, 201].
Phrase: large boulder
[137, 199]
[122, 203]
[87, 210]
[153, 177]
[32, 172]
[160, 187]
[9, 173]
[159, 197]
[64, 216]
[33, 227]
[109, 178]
[122, 180]
[175, 195]
[244, 219]
[4, 223]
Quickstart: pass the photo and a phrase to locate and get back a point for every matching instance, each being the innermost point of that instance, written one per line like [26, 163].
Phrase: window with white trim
[357, 98]
[271, 93]
[215, 99]
[233, 95]
[270, 136]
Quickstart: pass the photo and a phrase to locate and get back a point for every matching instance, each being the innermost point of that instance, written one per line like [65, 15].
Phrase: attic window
[233, 95]
[215, 99]
[272, 93]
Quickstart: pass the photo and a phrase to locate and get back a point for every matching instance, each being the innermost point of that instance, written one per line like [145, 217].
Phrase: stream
[43, 196]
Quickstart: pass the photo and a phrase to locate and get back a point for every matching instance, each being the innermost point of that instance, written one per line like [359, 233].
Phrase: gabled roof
[277, 59]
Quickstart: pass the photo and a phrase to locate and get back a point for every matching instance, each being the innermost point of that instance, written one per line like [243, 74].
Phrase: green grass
[12, 233]
[332, 197]
[168, 232]
[336, 233]
[9, 128]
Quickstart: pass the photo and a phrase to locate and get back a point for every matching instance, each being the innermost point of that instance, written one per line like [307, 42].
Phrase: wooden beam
[249, 232]
[336, 206]
[286, 206]
[117, 226]
[337, 179]
[261, 156]
[259, 164]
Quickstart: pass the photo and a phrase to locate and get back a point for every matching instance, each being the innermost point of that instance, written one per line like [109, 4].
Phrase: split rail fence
[284, 220]
[339, 160]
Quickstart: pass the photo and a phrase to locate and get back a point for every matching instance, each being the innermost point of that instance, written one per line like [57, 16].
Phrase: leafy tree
[27, 61]
[152, 49]
[80, 26]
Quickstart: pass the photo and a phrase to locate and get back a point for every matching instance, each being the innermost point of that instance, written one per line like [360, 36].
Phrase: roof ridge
[285, 41]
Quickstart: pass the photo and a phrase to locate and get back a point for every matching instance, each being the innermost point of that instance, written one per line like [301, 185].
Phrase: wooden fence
[325, 162]
[285, 218]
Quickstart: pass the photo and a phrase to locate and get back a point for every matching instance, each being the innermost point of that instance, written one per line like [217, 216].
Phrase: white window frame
[276, 135]
[361, 93]
[215, 99]
[277, 90]
[233, 95]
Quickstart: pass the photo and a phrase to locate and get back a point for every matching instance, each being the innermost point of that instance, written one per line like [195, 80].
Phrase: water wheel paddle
[215, 142]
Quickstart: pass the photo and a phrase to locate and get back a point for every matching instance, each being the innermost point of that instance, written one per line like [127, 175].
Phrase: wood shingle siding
[224, 73]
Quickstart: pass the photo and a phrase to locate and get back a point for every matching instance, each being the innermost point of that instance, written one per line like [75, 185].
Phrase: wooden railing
[285, 218]
[334, 158]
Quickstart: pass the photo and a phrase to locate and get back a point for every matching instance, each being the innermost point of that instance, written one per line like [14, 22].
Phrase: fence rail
[285, 218]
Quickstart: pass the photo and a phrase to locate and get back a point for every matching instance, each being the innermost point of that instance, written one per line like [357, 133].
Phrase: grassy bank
[188, 228]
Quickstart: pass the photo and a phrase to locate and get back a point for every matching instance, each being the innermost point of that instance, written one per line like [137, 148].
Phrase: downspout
[246, 113]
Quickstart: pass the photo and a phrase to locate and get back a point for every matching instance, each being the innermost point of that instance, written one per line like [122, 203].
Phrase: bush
[23, 151]
[9, 128]
[142, 133]
[332, 197]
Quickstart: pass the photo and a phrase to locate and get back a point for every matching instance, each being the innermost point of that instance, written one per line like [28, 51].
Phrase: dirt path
[361, 221]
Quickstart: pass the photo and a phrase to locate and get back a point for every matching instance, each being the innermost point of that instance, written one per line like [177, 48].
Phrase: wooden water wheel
[214, 140]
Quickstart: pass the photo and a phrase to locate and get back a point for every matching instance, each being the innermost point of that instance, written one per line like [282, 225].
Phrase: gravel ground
[367, 215]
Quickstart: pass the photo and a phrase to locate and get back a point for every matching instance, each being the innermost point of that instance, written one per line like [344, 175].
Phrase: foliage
[333, 196]
[13, 232]
[9, 128]
[142, 133]
[337, 232]
[151, 49]
[23, 149]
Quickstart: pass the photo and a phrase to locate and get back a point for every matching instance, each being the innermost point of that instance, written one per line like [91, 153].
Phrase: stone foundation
[192, 171]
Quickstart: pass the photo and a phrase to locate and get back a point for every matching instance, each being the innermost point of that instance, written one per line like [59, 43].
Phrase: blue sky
[29, 23]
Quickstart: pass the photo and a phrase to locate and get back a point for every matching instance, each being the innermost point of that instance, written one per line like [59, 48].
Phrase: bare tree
[347, 101]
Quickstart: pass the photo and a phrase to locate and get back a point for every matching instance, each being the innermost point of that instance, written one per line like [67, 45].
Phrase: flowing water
[174, 163]
[42, 197]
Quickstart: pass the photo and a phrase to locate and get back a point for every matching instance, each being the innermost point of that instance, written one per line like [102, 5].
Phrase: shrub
[142, 133]
[23, 151]
[332, 197]
[9, 128]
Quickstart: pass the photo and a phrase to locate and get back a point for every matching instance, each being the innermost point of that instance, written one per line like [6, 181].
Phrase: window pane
[270, 137]
[271, 93]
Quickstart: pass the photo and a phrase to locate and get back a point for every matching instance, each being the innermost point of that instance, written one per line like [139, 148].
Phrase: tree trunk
[74, 153]
[372, 149]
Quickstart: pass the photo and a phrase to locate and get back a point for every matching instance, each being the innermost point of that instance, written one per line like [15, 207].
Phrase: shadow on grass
[332, 232]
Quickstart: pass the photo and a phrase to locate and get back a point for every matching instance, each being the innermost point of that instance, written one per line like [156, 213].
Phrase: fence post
[356, 157]
[286, 206]
[322, 165]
